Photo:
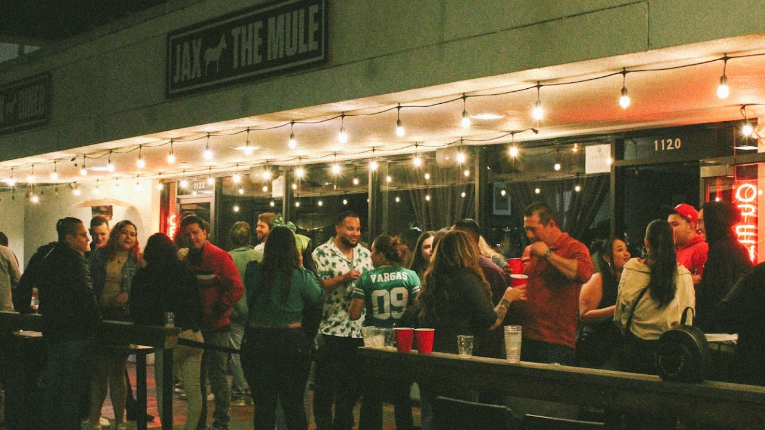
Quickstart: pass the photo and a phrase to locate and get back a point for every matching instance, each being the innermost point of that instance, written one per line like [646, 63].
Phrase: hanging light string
[723, 83]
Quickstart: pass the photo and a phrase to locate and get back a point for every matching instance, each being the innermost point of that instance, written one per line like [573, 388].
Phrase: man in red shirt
[689, 244]
[220, 288]
[556, 265]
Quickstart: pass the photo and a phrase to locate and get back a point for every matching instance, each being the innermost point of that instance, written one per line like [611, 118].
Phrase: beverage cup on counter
[404, 337]
[389, 338]
[368, 333]
[169, 319]
[518, 279]
[425, 340]
[513, 343]
[465, 345]
[516, 265]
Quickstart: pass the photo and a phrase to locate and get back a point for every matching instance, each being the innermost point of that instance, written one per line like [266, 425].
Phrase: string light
[236, 208]
[116, 185]
[400, 132]
[240, 191]
[624, 100]
[292, 144]
[140, 163]
[427, 197]
[747, 129]
[97, 189]
[266, 172]
[248, 149]
[54, 173]
[461, 157]
[83, 170]
[320, 203]
[208, 152]
[272, 203]
[184, 183]
[31, 175]
[723, 91]
[76, 190]
[335, 167]
[210, 179]
[577, 188]
[300, 172]
[237, 178]
[538, 113]
[465, 117]
[345, 202]
[343, 136]
[398, 199]
[557, 167]
[427, 176]
[373, 164]
[34, 198]
[137, 183]
[537, 190]
[109, 165]
[389, 179]
[171, 154]
[417, 160]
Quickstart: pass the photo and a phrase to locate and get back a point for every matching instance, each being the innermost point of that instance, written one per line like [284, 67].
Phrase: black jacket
[22, 295]
[67, 302]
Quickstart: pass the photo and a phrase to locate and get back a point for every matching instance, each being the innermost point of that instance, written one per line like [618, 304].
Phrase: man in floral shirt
[339, 263]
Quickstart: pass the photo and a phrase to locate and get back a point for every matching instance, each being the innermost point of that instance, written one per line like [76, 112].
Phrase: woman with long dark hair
[653, 293]
[421, 253]
[112, 269]
[275, 350]
[167, 285]
[455, 299]
[597, 301]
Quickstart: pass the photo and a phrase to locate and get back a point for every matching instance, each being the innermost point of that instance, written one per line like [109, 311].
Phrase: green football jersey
[386, 291]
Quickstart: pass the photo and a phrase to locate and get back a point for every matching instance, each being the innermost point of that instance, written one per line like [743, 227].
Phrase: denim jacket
[98, 271]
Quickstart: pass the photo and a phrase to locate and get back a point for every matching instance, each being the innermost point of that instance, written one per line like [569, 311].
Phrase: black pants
[338, 379]
[276, 363]
[371, 406]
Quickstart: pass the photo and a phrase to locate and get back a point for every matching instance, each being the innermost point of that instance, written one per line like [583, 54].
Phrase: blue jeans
[214, 365]
[238, 383]
[68, 376]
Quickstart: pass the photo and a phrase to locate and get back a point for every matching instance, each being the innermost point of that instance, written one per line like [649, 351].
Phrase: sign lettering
[268, 39]
[24, 104]
[746, 231]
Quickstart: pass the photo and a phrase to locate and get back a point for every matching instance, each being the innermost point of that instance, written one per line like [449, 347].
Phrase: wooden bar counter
[717, 403]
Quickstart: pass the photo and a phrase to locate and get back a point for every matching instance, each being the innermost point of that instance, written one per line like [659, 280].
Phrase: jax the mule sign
[269, 39]
[25, 104]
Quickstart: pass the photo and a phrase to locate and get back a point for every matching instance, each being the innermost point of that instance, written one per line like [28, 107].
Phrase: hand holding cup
[516, 293]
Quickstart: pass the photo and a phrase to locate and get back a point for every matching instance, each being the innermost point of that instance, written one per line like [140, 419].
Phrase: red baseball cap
[688, 212]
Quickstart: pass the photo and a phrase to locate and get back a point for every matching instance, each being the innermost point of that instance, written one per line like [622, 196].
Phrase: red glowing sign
[172, 227]
[746, 231]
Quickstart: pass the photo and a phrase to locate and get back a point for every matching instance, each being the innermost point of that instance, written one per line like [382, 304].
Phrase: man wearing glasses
[70, 318]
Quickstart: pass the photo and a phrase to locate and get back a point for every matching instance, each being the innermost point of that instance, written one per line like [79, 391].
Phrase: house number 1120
[667, 144]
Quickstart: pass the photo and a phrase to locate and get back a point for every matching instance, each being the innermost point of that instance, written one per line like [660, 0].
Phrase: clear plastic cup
[465, 345]
[513, 343]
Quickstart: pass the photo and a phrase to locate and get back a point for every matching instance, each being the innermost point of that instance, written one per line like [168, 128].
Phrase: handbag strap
[685, 314]
[632, 312]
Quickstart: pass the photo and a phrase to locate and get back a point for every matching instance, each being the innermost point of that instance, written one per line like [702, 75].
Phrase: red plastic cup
[425, 340]
[516, 265]
[403, 338]
[518, 279]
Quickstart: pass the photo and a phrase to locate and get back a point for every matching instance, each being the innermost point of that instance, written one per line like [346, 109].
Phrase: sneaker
[210, 397]
[121, 426]
[239, 401]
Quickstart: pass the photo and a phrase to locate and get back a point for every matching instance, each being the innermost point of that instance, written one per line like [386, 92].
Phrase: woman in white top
[668, 291]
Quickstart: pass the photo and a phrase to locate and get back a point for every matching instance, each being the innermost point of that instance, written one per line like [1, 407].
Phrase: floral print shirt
[331, 262]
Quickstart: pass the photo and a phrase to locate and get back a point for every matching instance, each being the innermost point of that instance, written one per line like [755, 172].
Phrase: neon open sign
[172, 226]
[746, 231]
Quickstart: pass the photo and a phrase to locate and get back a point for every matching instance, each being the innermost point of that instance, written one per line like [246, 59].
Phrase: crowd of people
[284, 305]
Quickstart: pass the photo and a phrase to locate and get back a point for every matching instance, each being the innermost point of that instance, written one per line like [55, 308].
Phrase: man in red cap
[690, 245]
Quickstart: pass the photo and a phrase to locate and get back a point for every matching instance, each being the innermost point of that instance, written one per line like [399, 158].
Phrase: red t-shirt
[550, 313]
[693, 255]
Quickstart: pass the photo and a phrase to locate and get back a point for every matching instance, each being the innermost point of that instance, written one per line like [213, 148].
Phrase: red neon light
[172, 227]
[746, 231]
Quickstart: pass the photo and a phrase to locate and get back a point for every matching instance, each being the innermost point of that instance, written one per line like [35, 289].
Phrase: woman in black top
[421, 253]
[166, 285]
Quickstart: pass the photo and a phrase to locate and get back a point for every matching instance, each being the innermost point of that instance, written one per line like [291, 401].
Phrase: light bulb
[292, 144]
[427, 176]
[236, 208]
[240, 191]
[34, 198]
[265, 188]
[237, 178]
[466, 173]
[54, 175]
[624, 100]
[373, 165]
[537, 113]
[248, 149]
[465, 119]
[343, 136]
[184, 183]
[271, 203]
[140, 163]
[723, 91]
[137, 185]
[267, 174]
[747, 129]
[400, 132]
[83, 170]
[320, 203]
[503, 193]
[300, 172]
[336, 169]
[76, 191]
[578, 188]
[388, 179]
[463, 194]
[417, 161]
[160, 187]
[397, 199]
[461, 157]
[427, 197]
[513, 151]
[297, 204]
[355, 181]
[170, 158]
[208, 153]
[537, 190]
[294, 186]
[30, 178]
[556, 167]
[210, 180]
[345, 201]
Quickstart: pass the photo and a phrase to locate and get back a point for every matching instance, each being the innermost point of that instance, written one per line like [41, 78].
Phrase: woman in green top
[275, 351]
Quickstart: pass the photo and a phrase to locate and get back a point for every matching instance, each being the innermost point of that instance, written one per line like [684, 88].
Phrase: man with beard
[339, 263]
[99, 231]
[262, 229]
